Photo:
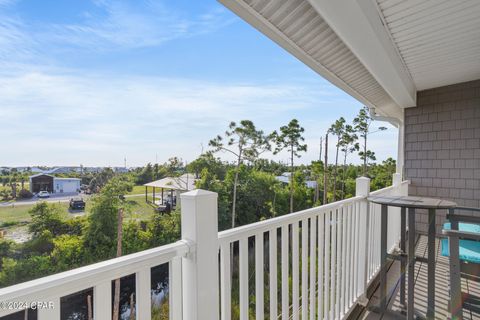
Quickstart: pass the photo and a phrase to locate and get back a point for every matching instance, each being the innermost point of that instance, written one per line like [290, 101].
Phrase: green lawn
[139, 208]
[18, 213]
[138, 190]
[14, 214]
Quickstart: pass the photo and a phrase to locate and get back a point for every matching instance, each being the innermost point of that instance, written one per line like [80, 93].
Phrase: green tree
[13, 183]
[244, 142]
[101, 231]
[381, 174]
[68, 252]
[15, 271]
[362, 123]
[174, 166]
[209, 162]
[347, 146]
[208, 181]
[6, 249]
[147, 174]
[163, 229]
[290, 138]
[100, 179]
[47, 217]
[337, 129]
[317, 171]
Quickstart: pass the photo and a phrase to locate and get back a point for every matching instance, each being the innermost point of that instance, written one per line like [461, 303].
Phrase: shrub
[5, 195]
[47, 216]
[24, 194]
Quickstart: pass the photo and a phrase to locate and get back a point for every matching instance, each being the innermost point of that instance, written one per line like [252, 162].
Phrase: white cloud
[60, 118]
[115, 25]
[134, 25]
[15, 43]
[53, 116]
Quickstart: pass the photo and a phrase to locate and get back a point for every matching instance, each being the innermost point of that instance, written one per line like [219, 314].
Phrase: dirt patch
[17, 234]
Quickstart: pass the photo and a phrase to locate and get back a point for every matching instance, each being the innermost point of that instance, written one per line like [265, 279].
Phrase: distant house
[60, 170]
[46, 182]
[285, 178]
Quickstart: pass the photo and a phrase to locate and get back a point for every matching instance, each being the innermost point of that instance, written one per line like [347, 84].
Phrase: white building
[66, 185]
[285, 178]
[46, 182]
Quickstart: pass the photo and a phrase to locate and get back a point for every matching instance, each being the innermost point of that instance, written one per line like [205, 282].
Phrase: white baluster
[243, 279]
[272, 241]
[295, 272]
[226, 282]
[259, 282]
[285, 284]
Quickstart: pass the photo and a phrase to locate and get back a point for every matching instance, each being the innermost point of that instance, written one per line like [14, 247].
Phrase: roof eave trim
[268, 29]
[359, 25]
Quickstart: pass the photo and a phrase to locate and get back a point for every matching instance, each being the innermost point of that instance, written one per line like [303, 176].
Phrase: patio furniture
[410, 203]
[463, 247]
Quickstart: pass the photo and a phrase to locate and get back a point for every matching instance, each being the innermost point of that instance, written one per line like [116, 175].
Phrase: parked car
[77, 204]
[43, 194]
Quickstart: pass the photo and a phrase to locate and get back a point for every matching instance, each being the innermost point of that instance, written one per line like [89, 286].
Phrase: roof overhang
[350, 76]
[359, 25]
[381, 52]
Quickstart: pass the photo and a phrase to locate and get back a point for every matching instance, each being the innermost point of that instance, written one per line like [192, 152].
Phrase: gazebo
[173, 185]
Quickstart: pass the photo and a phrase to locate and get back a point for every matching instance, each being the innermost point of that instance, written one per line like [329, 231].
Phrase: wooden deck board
[394, 310]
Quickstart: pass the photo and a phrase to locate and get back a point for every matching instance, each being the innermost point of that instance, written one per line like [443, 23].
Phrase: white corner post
[200, 268]
[362, 189]
[401, 149]
[396, 180]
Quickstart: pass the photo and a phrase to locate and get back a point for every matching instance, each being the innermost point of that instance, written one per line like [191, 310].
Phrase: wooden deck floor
[395, 310]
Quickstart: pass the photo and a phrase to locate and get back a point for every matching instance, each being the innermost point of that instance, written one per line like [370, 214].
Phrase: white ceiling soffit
[359, 24]
[297, 27]
[439, 40]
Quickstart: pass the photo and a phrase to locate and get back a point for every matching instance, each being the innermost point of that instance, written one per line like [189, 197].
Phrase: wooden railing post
[362, 189]
[200, 269]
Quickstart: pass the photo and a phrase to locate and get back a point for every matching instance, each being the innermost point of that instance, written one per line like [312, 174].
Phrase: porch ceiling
[438, 40]
[297, 27]
[379, 51]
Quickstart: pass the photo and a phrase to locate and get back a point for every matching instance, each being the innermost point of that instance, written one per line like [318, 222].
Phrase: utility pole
[321, 145]
[325, 168]
[116, 297]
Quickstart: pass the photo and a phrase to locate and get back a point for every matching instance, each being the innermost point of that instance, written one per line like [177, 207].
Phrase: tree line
[248, 191]
[246, 143]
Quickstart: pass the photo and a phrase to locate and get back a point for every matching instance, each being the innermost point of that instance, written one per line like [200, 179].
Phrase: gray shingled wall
[442, 146]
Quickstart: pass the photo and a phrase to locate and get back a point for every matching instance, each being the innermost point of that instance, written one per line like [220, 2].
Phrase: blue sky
[90, 82]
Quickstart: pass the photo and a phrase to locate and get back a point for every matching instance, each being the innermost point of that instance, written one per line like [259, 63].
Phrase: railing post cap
[363, 178]
[362, 186]
[198, 193]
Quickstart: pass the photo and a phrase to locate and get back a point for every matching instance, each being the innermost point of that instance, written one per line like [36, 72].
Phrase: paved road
[58, 199]
[53, 198]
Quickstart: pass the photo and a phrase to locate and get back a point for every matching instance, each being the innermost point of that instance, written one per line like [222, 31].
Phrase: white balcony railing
[325, 257]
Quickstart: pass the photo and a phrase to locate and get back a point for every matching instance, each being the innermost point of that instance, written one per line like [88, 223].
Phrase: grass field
[139, 208]
[8, 188]
[19, 214]
[138, 190]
